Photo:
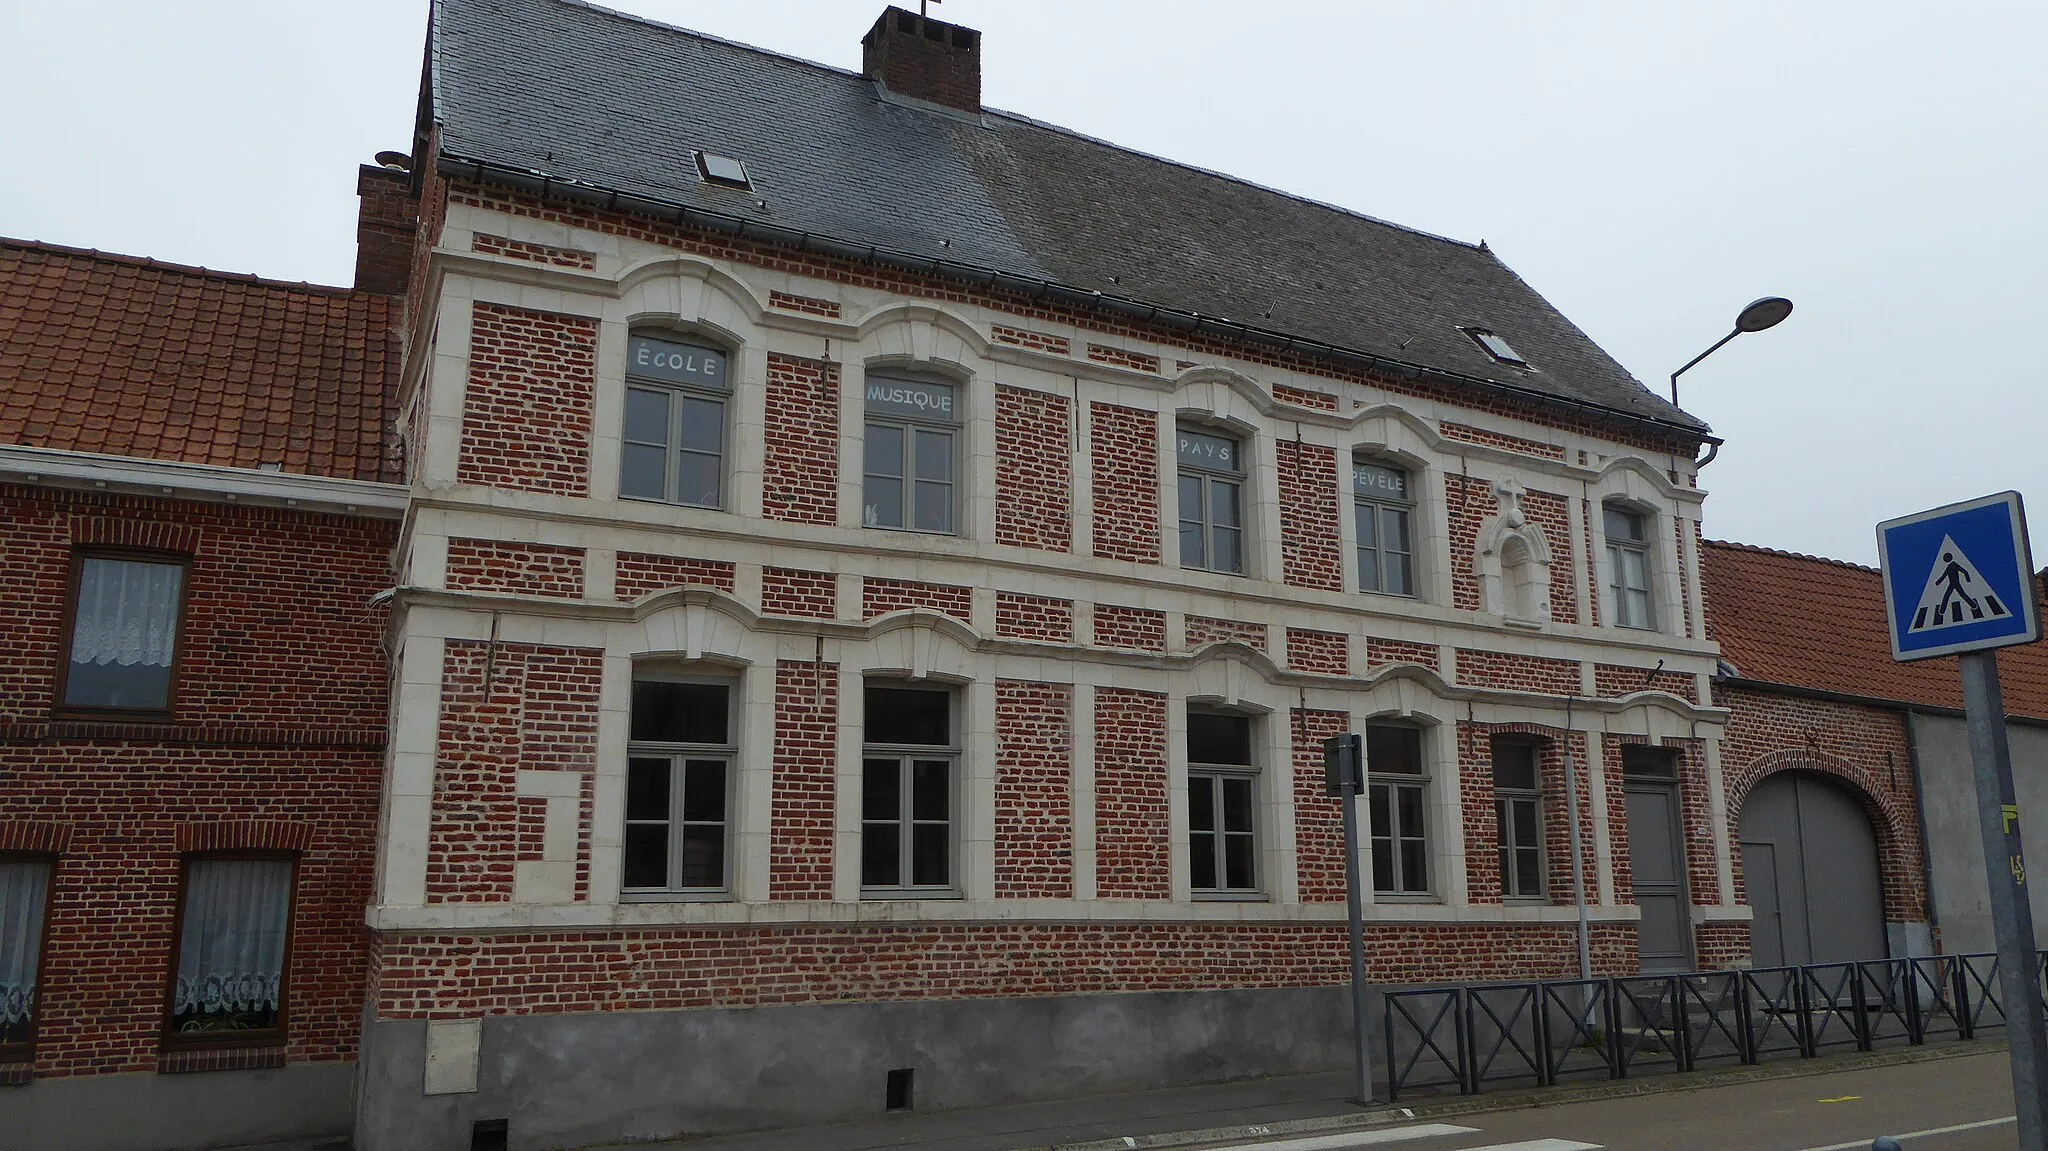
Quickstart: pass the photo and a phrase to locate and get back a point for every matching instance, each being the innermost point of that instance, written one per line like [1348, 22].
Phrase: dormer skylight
[1497, 347]
[723, 170]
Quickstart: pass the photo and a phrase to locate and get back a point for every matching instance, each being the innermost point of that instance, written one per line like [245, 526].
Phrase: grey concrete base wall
[1955, 843]
[187, 1112]
[566, 1080]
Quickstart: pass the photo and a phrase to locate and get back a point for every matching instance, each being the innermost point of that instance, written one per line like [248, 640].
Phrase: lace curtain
[231, 946]
[24, 886]
[127, 613]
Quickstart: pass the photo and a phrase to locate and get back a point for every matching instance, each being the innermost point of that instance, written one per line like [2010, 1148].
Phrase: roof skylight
[717, 169]
[1497, 347]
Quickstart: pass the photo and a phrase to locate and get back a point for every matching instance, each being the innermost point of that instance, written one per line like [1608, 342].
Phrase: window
[1641, 761]
[716, 169]
[1628, 564]
[677, 786]
[234, 923]
[1497, 347]
[1394, 792]
[1211, 502]
[1518, 814]
[911, 435]
[24, 900]
[124, 632]
[1222, 845]
[1383, 509]
[908, 760]
[674, 437]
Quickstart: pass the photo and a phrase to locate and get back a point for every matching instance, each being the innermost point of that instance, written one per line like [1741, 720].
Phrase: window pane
[881, 861]
[1514, 765]
[646, 416]
[646, 862]
[1638, 614]
[704, 790]
[883, 505]
[1190, 498]
[231, 945]
[1237, 862]
[934, 509]
[1223, 504]
[1400, 575]
[930, 862]
[1393, 748]
[640, 472]
[884, 450]
[908, 715]
[704, 855]
[1192, 552]
[1528, 872]
[1369, 570]
[1635, 573]
[928, 789]
[1381, 803]
[665, 712]
[698, 479]
[1237, 804]
[1229, 551]
[1214, 738]
[647, 789]
[703, 425]
[124, 633]
[1368, 520]
[881, 789]
[1527, 816]
[1383, 877]
[1206, 451]
[1622, 525]
[1395, 521]
[1202, 861]
[1379, 480]
[1202, 803]
[24, 894]
[934, 455]
[1409, 810]
[1414, 867]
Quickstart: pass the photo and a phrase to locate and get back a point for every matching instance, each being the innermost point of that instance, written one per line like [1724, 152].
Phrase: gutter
[174, 478]
[543, 184]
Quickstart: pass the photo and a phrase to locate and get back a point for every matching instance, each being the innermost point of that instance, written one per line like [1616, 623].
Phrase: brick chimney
[384, 229]
[924, 59]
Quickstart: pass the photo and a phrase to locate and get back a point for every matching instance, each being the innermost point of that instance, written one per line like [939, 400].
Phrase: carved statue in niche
[1511, 559]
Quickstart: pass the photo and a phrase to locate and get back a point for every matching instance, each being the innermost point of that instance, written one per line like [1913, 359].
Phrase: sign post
[1958, 580]
[1344, 777]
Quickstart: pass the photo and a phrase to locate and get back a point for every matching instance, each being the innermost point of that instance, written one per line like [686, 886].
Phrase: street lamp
[1768, 312]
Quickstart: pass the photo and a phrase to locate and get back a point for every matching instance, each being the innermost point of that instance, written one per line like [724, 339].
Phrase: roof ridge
[1733, 545]
[98, 256]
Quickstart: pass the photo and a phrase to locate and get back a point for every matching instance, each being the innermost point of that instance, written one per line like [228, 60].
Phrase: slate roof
[619, 103]
[1820, 623]
[131, 357]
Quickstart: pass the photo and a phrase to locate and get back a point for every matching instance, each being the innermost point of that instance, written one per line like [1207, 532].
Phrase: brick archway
[1896, 830]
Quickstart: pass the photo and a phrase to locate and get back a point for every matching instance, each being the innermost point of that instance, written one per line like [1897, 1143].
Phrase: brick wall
[1136, 628]
[801, 594]
[800, 476]
[1318, 818]
[808, 305]
[1200, 629]
[800, 820]
[1034, 790]
[1034, 479]
[1379, 651]
[518, 569]
[1465, 433]
[1511, 672]
[527, 410]
[1036, 617]
[548, 254]
[1611, 680]
[1318, 652]
[879, 596]
[1467, 504]
[1123, 358]
[1305, 397]
[640, 574]
[1309, 548]
[1036, 341]
[1123, 451]
[1130, 794]
[1552, 513]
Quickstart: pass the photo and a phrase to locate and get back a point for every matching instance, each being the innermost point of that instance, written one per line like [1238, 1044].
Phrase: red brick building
[197, 507]
[868, 621]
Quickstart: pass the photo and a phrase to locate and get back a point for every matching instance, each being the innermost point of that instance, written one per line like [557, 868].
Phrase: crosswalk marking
[1367, 1138]
[1540, 1145]
[1859, 1144]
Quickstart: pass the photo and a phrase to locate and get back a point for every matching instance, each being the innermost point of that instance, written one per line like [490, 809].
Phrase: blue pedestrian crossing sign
[1959, 578]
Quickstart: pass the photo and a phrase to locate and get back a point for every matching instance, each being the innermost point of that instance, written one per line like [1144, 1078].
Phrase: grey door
[1664, 938]
[1809, 866]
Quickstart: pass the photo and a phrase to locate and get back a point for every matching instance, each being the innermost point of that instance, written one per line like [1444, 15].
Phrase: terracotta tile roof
[1819, 623]
[131, 357]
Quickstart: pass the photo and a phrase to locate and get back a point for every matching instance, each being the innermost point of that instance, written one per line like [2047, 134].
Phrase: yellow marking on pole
[2011, 813]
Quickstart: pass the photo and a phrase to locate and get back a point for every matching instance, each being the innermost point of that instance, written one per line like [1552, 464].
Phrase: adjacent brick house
[867, 619]
[196, 509]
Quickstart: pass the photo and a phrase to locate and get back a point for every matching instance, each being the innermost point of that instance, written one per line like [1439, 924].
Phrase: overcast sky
[1650, 167]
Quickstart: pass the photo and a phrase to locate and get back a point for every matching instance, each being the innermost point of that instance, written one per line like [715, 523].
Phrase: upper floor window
[1396, 793]
[910, 757]
[1628, 565]
[674, 437]
[124, 632]
[1518, 815]
[24, 897]
[1211, 502]
[679, 772]
[234, 920]
[1384, 510]
[912, 438]
[1222, 840]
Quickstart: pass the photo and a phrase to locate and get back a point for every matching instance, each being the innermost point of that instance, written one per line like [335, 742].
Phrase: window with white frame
[24, 902]
[910, 757]
[674, 435]
[1628, 566]
[912, 445]
[125, 615]
[679, 786]
[1383, 510]
[1397, 795]
[1222, 798]
[1211, 501]
[1518, 815]
[234, 930]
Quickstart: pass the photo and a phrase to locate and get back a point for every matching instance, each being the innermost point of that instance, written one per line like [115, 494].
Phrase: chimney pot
[924, 59]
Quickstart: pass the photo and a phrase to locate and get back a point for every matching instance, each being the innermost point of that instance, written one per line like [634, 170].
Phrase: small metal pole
[2012, 913]
[1354, 776]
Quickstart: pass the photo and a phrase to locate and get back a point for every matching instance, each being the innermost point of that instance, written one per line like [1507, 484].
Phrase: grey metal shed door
[1809, 866]
[1664, 937]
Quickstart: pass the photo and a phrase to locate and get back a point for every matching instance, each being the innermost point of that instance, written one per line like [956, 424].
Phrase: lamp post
[1768, 312]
